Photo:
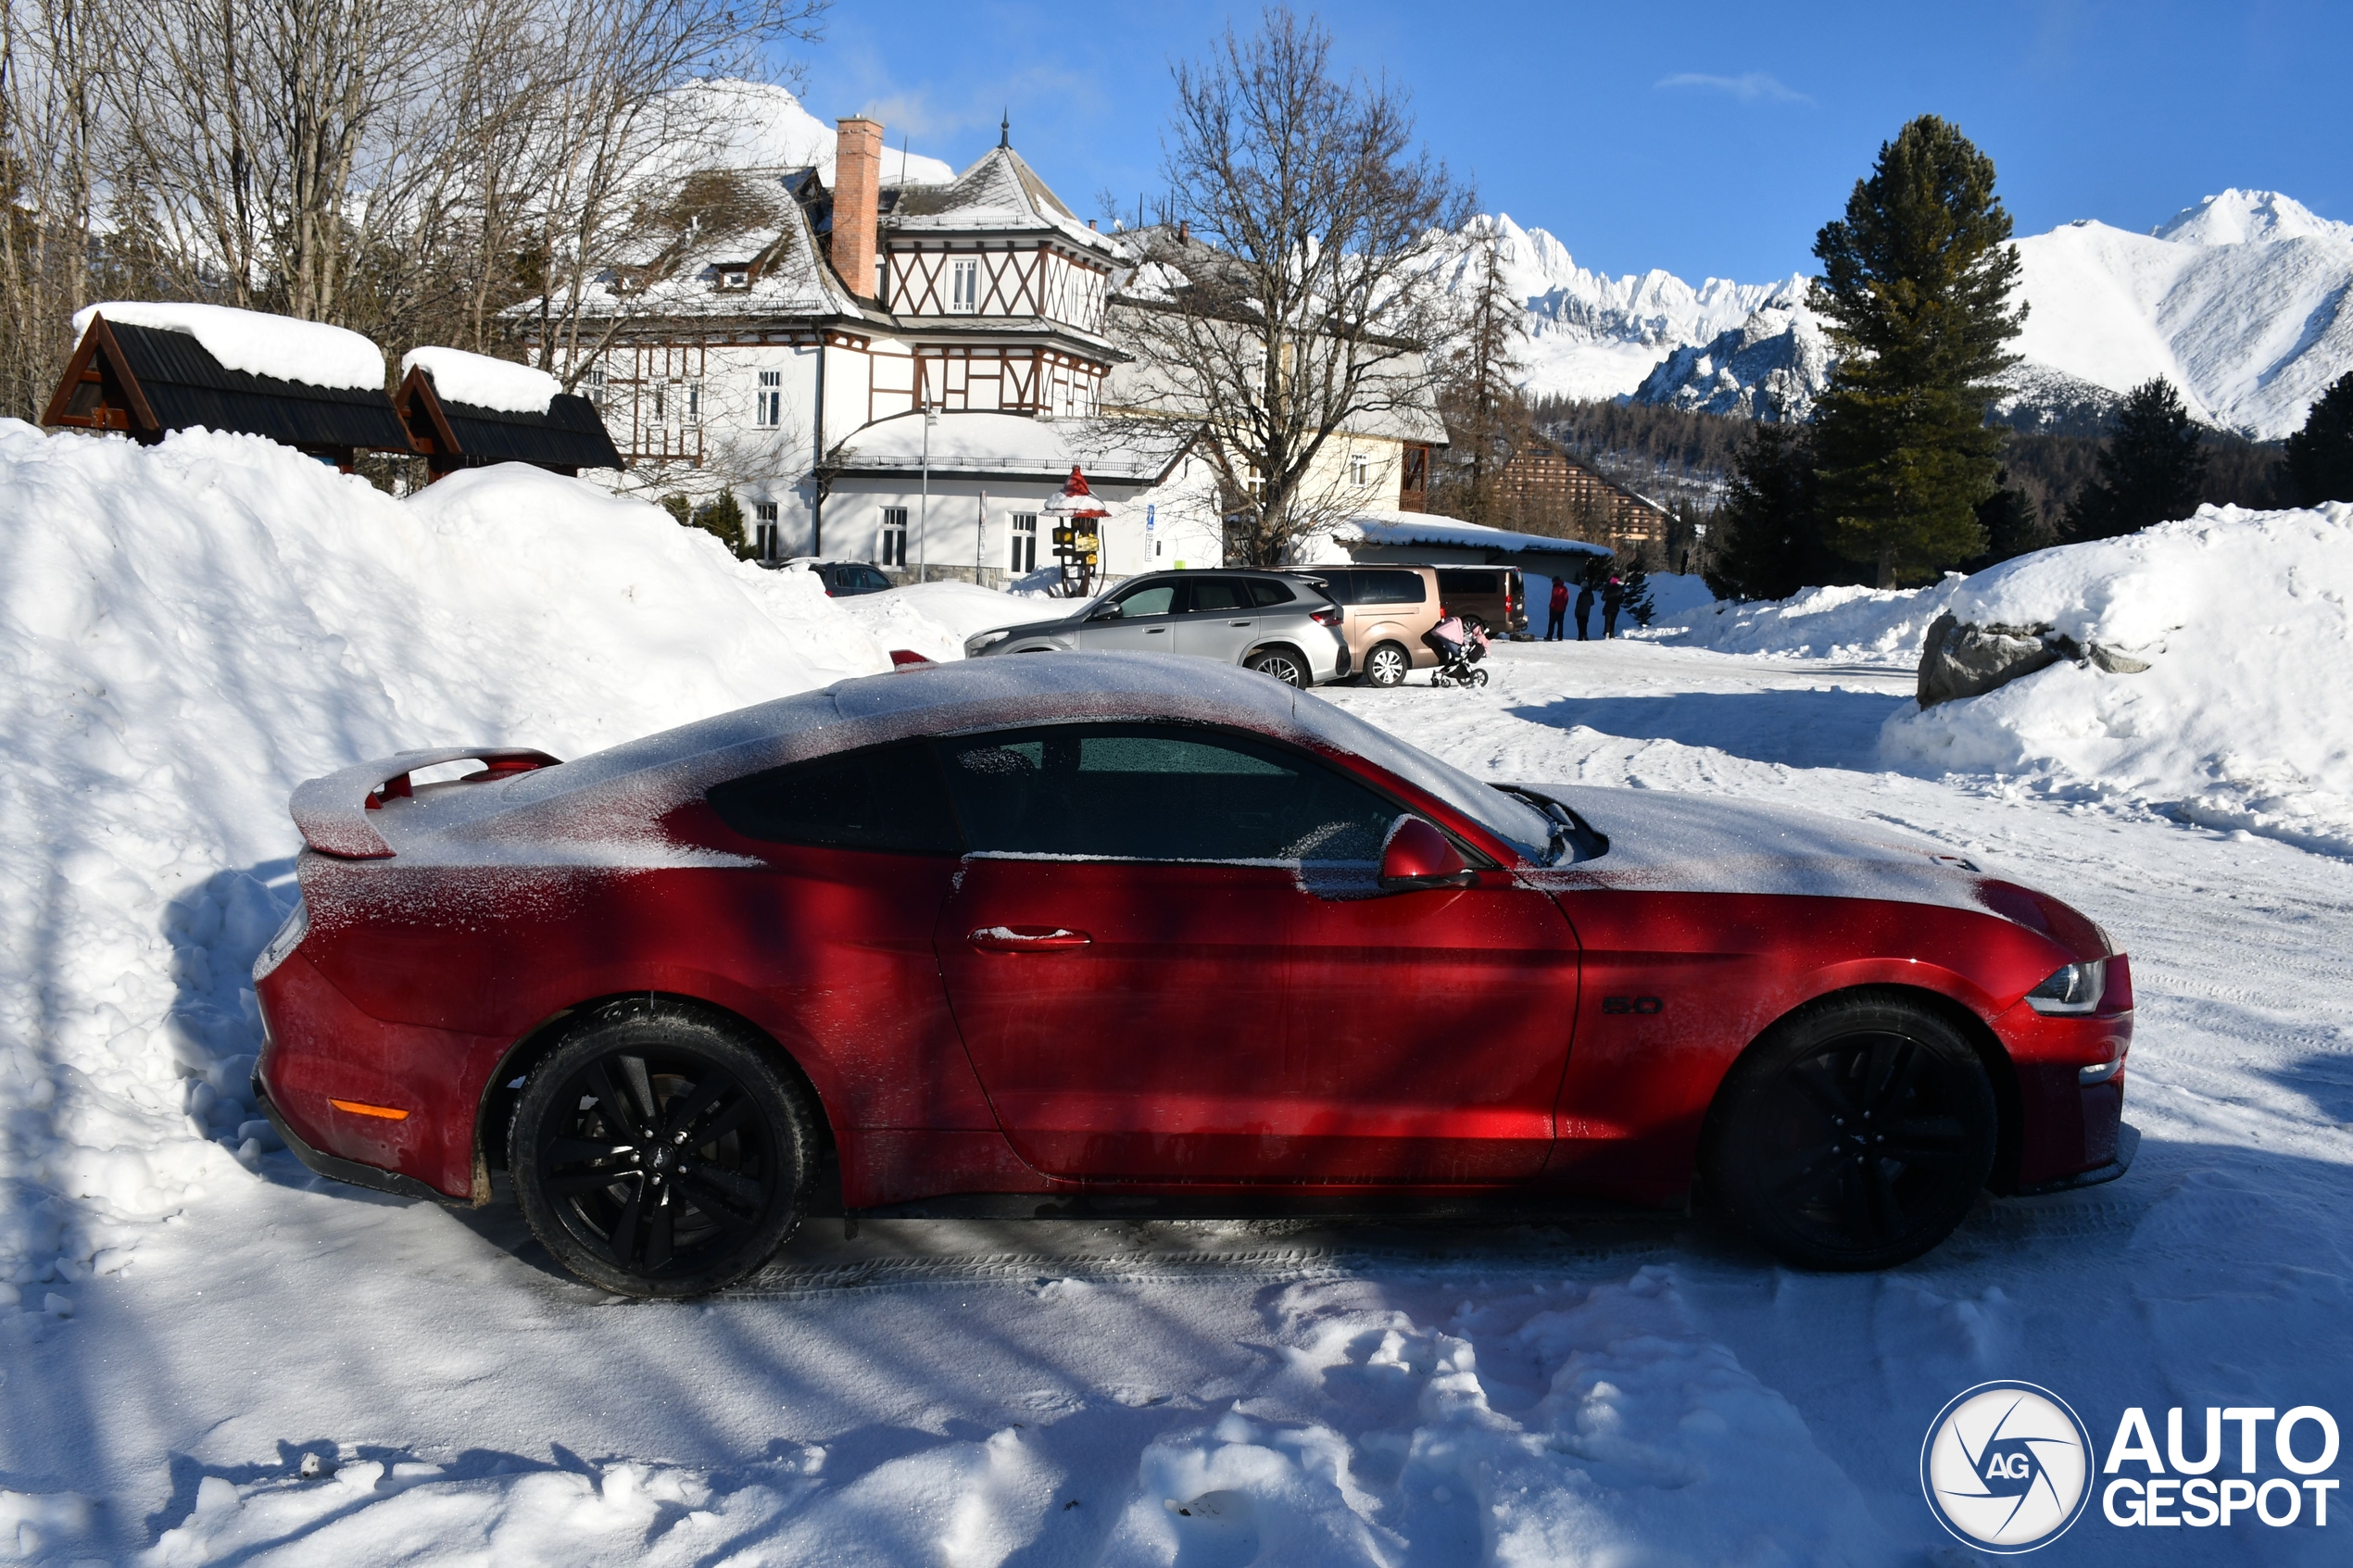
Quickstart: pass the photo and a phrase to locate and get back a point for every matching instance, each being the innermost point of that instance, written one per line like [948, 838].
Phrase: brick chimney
[858, 143]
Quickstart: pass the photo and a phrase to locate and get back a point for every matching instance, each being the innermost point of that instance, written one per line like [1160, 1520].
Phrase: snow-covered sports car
[1119, 924]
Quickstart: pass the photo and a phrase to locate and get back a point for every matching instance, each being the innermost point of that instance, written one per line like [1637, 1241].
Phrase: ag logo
[2006, 1467]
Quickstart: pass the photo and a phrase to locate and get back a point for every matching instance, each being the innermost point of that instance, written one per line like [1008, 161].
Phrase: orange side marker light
[357, 1109]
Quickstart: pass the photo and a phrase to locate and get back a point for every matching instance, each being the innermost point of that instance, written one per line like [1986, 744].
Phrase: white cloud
[1756, 87]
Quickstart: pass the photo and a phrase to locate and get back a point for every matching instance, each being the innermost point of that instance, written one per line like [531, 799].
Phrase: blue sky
[1704, 139]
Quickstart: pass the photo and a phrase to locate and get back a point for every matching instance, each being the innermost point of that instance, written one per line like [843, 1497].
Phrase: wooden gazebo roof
[569, 436]
[148, 381]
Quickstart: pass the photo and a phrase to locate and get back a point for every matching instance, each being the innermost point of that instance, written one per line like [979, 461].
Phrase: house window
[1360, 469]
[595, 385]
[662, 402]
[768, 400]
[964, 280]
[893, 545]
[690, 403]
[763, 530]
[735, 278]
[1025, 543]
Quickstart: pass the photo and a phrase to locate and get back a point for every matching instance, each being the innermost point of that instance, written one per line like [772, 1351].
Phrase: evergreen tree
[1765, 541]
[2318, 465]
[2013, 522]
[1635, 578]
[1914, 295]
[1478, 393]
[2151, 470]
[723, 518]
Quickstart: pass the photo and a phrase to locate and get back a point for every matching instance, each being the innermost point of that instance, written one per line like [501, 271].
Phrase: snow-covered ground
[186, 1331]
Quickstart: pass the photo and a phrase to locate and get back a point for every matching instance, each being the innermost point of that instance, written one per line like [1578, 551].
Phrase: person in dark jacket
[1612, 600]
[1584, 609]
[1560, 609]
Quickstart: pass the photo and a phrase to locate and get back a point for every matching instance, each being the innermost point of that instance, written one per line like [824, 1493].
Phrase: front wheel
[1388, 665]
[1855, 1136]
[659, 1153]
[1281, 663]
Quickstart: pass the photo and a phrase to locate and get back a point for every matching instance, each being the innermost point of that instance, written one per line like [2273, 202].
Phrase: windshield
[1508, 817]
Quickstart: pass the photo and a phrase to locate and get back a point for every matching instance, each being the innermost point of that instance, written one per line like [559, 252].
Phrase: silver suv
[1261, 620]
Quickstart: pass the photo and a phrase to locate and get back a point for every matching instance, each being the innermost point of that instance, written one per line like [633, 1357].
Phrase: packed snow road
[1595, 1389]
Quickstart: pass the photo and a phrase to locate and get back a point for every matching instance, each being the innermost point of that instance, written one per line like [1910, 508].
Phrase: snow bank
[2245, 718]
[189, 630]
[1853, 624]
[484, 383]
[280, 347]
[933, 619]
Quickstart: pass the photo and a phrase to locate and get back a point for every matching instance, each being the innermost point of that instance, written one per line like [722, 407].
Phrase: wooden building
[146, 382]
[1544, 487]
[564, 437]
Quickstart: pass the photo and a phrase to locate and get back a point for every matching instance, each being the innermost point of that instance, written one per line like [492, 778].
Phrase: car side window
[1340, 586]
[1158, 599]
[1158, 792]
[1264, 592]
[1214, 593]
[871, 581]
[1392, 588]
[885, 798]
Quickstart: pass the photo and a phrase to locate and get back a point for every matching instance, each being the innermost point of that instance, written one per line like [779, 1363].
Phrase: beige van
[1493, 596]
[1388, 609]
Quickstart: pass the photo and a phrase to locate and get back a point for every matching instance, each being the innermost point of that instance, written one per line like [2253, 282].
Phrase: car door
[1219, 620]
[1140, 618]
[1170, 961]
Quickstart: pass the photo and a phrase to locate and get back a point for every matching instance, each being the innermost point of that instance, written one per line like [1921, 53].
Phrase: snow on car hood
[1664, 843]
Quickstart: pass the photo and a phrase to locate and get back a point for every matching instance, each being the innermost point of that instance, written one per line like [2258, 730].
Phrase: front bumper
[2128, 1143]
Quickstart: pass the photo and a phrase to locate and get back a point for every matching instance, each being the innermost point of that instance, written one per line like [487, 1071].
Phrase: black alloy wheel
[1281, 663]
[1856, 1134]
[1388, 665]
[659, 1152]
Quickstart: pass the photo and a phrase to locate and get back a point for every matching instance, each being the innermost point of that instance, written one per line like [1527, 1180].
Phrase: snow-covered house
[769, 335]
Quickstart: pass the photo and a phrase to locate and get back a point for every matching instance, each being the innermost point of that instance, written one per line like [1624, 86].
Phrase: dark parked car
[1129, 926]
[844, 579]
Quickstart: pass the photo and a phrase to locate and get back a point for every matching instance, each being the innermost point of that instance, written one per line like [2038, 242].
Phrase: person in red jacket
[1553, 633]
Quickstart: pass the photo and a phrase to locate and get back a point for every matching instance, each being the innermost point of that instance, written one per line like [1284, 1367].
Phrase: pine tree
[1479, 396]
[2151, 469]
[1635, 578]
[723, 518]
[2014, 523]
[1765, 541]
[1915, 294]
[2318, 465]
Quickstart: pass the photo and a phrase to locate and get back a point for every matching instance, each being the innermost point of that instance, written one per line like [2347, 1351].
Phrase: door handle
[1154, 631]
[1026, 939]
[1241, 623]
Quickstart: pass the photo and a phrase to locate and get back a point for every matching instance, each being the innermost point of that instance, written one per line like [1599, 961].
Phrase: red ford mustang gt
[1119, 924]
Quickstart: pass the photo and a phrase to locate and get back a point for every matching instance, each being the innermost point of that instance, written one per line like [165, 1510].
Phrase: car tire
[1795, 1149]
[1282, 664]
[1388, 665]
[676, 1216]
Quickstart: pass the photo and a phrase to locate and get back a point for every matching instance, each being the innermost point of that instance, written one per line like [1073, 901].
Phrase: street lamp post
[922, 518]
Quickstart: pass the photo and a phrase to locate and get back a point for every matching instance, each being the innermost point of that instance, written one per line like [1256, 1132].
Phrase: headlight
[2076, 988]
[289, 937]
[982, 644]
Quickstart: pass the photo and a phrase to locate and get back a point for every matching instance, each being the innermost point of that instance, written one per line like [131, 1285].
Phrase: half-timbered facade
[771, 316]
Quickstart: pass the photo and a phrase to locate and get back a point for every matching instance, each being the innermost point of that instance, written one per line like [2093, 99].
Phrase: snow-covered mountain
[2244, 301]
[1591, 335]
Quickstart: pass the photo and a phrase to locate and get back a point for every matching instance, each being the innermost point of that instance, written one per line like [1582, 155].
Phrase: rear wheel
[1388, 665]
[1855, 1136]
[661, 1153]
[1281, 663]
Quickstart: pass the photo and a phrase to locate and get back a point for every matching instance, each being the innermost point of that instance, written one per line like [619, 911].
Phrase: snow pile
[278, 347]
[481, 381]
[933, 619]
[1853, 624]
[186, 631]
[2244, 719]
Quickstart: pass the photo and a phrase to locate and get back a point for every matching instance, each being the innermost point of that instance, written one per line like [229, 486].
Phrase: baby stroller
[1459, 649]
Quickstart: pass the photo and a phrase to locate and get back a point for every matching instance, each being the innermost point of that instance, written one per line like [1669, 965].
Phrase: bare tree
[1297, 296]
[51, 129]
[1478, 397]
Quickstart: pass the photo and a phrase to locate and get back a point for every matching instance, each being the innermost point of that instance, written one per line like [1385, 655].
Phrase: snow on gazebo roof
[280, 347]
[482, 382]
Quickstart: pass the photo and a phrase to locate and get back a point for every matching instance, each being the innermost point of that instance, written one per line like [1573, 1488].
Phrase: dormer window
[965, 286]
[735, 278]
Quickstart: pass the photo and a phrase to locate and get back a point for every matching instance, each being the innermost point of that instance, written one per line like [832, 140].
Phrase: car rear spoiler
[333, 811]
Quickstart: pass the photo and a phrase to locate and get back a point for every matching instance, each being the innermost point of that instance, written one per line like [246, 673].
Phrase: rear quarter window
[888, 798]
[1264, 593]
[1454, 582]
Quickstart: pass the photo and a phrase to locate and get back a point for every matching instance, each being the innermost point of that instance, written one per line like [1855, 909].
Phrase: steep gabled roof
[569, 434]
[147, 381]
[731, 218]
[1000, 194]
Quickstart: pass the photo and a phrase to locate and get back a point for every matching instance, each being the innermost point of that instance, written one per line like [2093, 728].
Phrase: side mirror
[1109, 612]
[1417, 856]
